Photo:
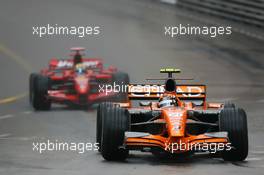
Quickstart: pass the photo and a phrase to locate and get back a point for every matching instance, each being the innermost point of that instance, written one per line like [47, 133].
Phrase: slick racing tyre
[121, 79]
[40, 89]
[115, 123]
[234, 122]
[101, 111]
[31, 86]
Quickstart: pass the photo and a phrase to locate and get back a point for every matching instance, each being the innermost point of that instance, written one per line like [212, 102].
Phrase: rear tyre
[121, 79]
[113, 132]
[101, 111]
[40, 89]
[234, 122]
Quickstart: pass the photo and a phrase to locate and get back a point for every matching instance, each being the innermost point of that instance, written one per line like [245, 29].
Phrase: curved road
[132, 38]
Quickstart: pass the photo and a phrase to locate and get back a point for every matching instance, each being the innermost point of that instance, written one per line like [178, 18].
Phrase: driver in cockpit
[169, 98]
[80, 68]
[167, 101]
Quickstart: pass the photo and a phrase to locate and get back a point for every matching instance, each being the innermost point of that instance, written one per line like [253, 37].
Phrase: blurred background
[132, 39]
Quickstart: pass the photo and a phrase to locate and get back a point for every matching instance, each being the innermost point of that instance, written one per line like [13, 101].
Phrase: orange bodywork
[174, 117]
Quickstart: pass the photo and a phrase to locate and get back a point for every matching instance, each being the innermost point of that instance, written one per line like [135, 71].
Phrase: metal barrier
[245, 11]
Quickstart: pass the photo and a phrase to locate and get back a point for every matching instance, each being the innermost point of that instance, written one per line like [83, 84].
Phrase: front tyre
[39, 93]
[31, 86]
[101, 111]
[115, 123]
[234, 122]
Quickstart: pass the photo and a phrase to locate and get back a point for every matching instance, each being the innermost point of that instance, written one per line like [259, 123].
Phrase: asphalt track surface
[132, 39]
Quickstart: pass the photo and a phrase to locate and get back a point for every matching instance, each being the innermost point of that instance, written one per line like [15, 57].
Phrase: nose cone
[82, 89]
[176, 120]
[81, 85]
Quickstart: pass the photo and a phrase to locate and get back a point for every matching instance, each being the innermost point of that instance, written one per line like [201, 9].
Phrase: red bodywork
[69, 87]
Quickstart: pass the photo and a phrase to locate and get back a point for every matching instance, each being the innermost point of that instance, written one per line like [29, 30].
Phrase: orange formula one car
[179, 123]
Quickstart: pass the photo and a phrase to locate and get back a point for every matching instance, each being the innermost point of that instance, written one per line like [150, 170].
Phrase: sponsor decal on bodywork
[69, 64]
[158, 90]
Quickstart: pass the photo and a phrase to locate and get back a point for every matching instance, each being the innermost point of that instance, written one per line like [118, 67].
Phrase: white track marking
[261, 101]
[169, 1]
[6, 116]
[19, 138]
[5, 135]
[254, 158]
[26, 112]
[13, 115]
[259, 146]
[257, 152]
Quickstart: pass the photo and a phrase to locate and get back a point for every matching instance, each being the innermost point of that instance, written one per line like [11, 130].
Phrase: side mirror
[112, 68]
[53, 63]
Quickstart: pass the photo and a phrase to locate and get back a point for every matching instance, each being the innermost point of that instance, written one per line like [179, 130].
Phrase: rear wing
[185, 92]
[68, 63]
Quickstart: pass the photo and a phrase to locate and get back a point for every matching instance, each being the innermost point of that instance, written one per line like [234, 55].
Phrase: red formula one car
[77, 81]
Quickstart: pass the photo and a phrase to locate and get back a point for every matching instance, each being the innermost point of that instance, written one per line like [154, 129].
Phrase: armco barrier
[244, 11]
